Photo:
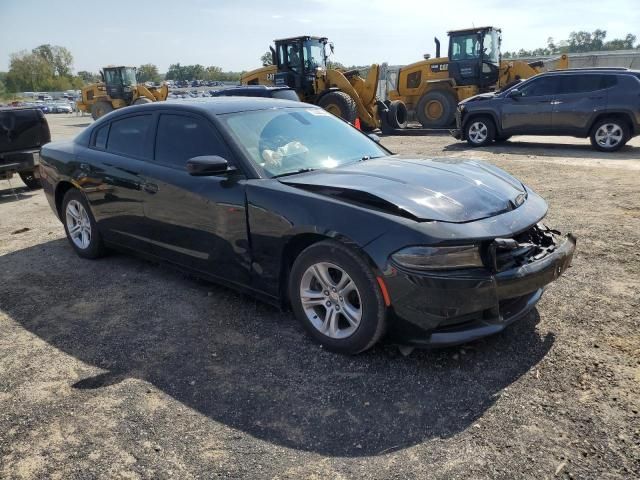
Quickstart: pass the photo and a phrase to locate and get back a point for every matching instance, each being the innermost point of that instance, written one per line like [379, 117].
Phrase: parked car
[287, 202]
[23, 131]
[285, 93]
[60, 108]
[602, 104]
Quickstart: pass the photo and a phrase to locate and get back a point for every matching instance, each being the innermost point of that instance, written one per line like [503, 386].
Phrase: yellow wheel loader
[119, 88]
[301, 63]
[432, 88]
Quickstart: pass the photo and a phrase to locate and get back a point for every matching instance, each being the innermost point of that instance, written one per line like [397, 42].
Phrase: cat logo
[440, 67]
[271, 77]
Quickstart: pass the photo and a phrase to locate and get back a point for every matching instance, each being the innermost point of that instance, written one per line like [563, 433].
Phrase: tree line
[50, 68]
[579, 42]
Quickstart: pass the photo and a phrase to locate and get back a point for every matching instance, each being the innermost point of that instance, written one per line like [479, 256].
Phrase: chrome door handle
[556, 102]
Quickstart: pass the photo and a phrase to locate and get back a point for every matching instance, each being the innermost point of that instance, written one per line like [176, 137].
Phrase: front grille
[527, 247]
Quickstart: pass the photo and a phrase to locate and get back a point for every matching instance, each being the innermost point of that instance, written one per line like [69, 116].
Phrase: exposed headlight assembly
[439, 258]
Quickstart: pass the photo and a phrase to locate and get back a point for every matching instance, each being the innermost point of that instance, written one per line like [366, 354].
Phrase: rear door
[580, 98]
[113, 181]
[530, 113]
[198, 222]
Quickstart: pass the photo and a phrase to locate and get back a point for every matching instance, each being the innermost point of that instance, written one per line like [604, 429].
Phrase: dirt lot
[121, 368]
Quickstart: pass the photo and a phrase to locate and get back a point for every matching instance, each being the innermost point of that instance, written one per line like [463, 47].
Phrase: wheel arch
[301, 241]
[61, 190]
[625, 116]
[482, 113]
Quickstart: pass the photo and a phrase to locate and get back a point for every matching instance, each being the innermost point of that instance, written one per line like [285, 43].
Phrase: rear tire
[397, 115]
[344, 314]
[437, 109]
[80, 226]
[341, 105]
[30, 180]
[609, 134]
[480, 131]
[100, 109]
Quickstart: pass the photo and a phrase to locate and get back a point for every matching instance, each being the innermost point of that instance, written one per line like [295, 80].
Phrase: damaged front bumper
[438, 309]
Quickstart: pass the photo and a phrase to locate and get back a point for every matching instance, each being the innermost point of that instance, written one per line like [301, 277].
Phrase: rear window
[585, 83]
[128, 136]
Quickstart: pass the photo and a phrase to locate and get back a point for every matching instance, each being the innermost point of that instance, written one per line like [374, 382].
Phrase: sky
[234, 34]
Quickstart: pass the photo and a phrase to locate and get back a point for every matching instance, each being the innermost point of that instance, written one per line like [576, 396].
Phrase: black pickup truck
[23, 131]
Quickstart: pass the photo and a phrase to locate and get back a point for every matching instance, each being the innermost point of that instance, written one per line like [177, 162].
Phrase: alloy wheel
[331, 300]
[78, 224]
[609, 135]
[478, 132]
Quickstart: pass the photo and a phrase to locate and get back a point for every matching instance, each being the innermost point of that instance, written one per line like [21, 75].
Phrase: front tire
[100, 109]
[480, 131]
[436, 109]
[341, 105]
[142, 101]
[80, 226]
[336, 297]
[609, 134]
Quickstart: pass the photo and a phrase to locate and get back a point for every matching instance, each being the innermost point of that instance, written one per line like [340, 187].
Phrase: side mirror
[374, 137]
[208, 165]
[515, 93]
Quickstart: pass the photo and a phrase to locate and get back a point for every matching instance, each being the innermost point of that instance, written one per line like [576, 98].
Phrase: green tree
[58, 58]
[148, 73]
[266, 59]
[88, 77]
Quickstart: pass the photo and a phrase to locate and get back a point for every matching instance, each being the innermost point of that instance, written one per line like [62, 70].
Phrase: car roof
[220, 105]
[608, 70]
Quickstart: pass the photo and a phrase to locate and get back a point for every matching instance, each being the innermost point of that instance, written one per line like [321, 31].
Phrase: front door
[530, 112]
[198, 222]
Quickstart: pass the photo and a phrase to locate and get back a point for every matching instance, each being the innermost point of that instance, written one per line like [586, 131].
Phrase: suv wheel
[480, 131]
[609, 135]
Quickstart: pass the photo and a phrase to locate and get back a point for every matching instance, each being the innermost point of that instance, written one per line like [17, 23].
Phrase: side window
[580, 83]
[413, 79]
[609, 81]
[100, 137]
[128, 136]
[180, 138]
[540, 87]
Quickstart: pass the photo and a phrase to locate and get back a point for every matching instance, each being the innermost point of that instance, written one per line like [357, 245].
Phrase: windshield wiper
[295, 172]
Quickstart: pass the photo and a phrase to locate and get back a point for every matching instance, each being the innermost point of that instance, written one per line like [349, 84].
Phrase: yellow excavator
[301, 63]
[119, 88]
[432, 88]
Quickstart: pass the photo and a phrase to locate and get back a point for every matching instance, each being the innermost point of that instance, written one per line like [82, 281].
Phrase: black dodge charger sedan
[289, 203]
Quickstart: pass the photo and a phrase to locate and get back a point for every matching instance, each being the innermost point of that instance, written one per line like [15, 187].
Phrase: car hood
[480, 97]
[447, 190]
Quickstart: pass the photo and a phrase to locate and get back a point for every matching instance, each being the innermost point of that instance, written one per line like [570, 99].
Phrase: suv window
[127, 136]
[286, 95]
[540, 87]
[100, 137]
[180, 138]
[585, 83]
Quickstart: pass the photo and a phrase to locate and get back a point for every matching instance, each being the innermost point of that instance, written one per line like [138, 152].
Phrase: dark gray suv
[603, 104]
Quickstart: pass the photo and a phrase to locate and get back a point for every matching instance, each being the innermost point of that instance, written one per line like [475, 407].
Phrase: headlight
[438, 258]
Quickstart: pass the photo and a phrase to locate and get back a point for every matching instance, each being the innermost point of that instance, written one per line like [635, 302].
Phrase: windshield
[286, 141]
[313, 54]
[286, 95]
[112, 76]
[465, 47]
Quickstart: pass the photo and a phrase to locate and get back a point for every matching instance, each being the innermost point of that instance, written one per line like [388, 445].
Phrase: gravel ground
[121, 368]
